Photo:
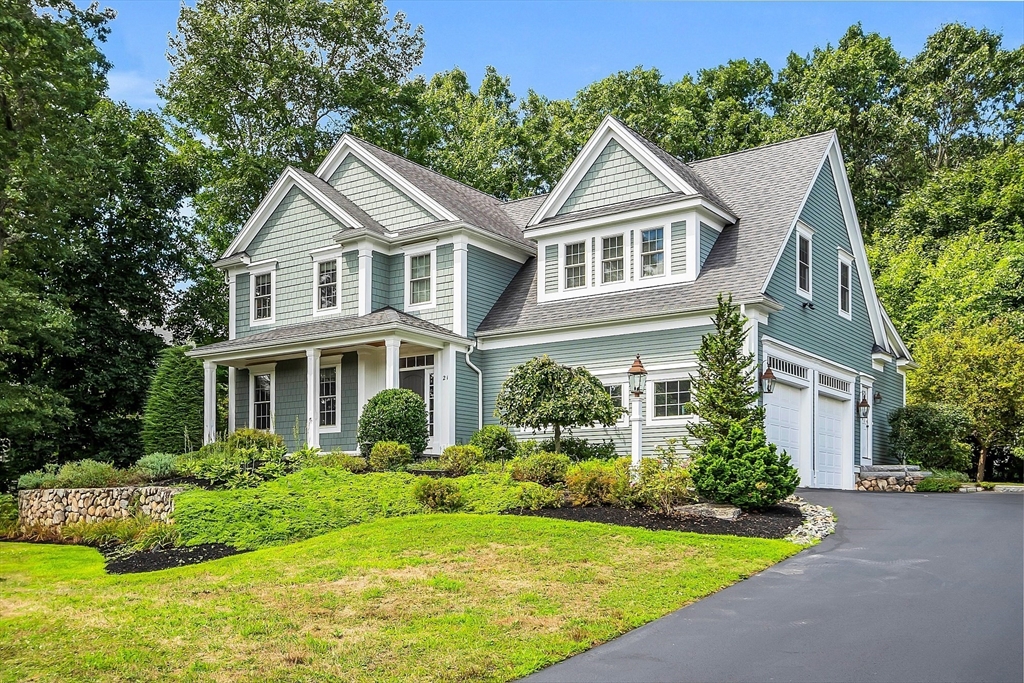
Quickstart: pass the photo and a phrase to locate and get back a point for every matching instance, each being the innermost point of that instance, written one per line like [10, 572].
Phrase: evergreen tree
[173, 421]
[725, 388]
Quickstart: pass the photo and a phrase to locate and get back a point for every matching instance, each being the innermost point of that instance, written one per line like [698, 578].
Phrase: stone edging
[56, 507]
[818, 522]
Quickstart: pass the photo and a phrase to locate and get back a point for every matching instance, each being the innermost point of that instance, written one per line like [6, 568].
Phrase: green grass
[314, 501]
[420, 598]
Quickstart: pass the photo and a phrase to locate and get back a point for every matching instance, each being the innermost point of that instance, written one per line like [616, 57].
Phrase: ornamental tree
[173, 421]
[541, 394]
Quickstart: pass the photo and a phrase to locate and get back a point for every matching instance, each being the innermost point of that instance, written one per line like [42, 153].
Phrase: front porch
[313, 391]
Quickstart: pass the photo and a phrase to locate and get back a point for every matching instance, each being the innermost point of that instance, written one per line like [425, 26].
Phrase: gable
[296, 226]
[615, 176]
[381, 200]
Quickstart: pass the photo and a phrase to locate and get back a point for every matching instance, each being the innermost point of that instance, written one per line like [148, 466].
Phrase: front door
[420, 381]
[413, 380]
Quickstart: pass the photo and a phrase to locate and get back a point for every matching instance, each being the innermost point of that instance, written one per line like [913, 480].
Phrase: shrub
[157, 466]
[580, 449]
[173, 417]
[543, 468]
[394, 415]
[437, 494]
[246, 459]
[590, 482]
[344, 461]
[255, 438]
[939, 484]
[931, 435]
[491, 438]
[662, 485]
[987, 485]
[459, 461]
[533, 496]
[8, 515]
[743, 470]
[527, 448]
[389, 455]
[44, 478]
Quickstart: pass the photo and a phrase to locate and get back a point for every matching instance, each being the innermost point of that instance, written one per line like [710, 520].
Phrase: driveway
[912, 587]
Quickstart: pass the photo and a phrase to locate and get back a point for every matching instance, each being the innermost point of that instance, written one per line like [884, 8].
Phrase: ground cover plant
[423, 598]
[942, 481]
[80, 474]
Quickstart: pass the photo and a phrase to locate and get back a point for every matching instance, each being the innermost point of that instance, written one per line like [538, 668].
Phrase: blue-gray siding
[289, 416]
[241, 398]
[679, 247]
[242, 304]
[708, 235]
[466, 403]
[615, 176]
[348, 405]
[380, 281]
[823, 331]
[487, 277]
[551, 268]
[384, 202]
[661, 348]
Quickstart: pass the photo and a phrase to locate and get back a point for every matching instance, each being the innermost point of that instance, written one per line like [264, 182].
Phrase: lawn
[423, 597]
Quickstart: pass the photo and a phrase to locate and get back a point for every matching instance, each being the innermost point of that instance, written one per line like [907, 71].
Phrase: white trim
[331, 362]
[797, 355]
[697, 204]
[866, 455]
[328, 252]
[460, 279]
[563, 275]
[365, 281]
[253, 274]
[350, 145]
[595, 331]
[626, 257]
[429, 249]
[336, 308]
[232, 401]
[609, 129]
[209, 402]
[264, 369]
[232, 304]
[847, 260]
[288, 179]
[806, 233]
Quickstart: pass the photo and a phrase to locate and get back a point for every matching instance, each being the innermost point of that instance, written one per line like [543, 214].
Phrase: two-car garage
[811, 415]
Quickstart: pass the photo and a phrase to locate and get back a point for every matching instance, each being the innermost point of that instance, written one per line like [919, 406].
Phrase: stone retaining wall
[889, 478]
[55, 507]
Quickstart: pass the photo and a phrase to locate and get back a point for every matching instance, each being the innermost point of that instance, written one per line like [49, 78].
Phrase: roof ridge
[521, 199]
[428, 169]
[759, 147]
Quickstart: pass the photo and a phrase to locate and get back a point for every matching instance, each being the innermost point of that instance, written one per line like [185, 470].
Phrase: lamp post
[637, 382]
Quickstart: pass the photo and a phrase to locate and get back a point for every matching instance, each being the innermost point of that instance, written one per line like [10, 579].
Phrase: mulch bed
[773, 522]
[153, 560]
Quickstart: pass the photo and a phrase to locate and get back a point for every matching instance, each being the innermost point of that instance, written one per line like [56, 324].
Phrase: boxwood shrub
[389, 455]
[393, 415]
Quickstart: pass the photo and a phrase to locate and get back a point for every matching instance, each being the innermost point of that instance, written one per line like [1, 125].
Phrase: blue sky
[556, 48]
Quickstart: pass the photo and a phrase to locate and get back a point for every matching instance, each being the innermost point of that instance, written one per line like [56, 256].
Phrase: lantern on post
[637, 382]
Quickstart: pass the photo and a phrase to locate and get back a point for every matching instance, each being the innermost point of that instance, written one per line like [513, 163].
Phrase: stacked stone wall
[56, 507]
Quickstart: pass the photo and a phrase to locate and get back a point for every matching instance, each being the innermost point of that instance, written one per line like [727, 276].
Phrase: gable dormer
[614, 176]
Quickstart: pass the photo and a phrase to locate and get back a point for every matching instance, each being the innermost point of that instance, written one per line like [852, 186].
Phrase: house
[375, 272]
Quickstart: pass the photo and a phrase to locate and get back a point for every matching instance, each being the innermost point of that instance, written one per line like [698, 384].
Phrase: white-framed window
[613, 261]
[652, 252]
[262, 392]
[329, 398]
[619, 394]
[421, 283]
[575, 265]
[670, 397]
[845, 290]
[327, 277]
[261, 297]
[804, 256]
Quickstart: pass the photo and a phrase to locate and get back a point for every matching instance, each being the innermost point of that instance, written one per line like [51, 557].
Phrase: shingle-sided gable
[384, 202]
[615, 176]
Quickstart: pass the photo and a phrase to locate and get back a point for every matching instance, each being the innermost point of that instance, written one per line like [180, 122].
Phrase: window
[612, 262]
[671, 397]
[329, 397]
[803, 266]
[615, 391]
[263, 294]
[261, 399]
[419, 279]
[576, 265]
[844, 288]
[652, 252]
[327, 285]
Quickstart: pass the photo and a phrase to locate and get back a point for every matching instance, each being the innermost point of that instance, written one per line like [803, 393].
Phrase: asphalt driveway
[912, 587]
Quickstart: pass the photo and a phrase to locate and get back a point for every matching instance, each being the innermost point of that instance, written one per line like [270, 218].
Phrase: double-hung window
[612, 261]
[671, 397]
[263, 297]
[652, 252]
[576, 265]
[803, 263]
[844, 287]
[261, 401]
[327, 285]
[329, 396]
[420, 286]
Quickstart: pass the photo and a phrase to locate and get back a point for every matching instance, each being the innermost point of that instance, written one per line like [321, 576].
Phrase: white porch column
[312, 397]
[461, 281]
[365, 279]
[209, 402]
[232, 385]
[636, 421]
[391, 344]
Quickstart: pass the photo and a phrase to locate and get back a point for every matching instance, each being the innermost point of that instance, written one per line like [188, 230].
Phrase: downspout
[479, 388]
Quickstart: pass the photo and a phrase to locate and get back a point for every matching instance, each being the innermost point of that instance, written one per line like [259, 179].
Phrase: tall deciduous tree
[541, 394]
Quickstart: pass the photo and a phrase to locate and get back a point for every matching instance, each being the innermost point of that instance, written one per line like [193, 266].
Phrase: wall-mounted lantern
[767, 381]
[878, 397]
[863, 407]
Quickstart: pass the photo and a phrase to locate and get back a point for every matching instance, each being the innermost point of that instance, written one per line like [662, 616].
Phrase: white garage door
[783, 423]
[828, 452]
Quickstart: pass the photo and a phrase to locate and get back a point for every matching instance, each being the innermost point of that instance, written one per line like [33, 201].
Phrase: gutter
[479, 388]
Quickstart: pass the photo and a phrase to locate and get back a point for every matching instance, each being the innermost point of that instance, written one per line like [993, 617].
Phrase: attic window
[576, 265]
[612, 262]
[652, 252]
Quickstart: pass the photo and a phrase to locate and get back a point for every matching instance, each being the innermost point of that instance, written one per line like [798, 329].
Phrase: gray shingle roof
[469, 204]
[522, 210]
[764, 187]
[343, 202]
[320, 329]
